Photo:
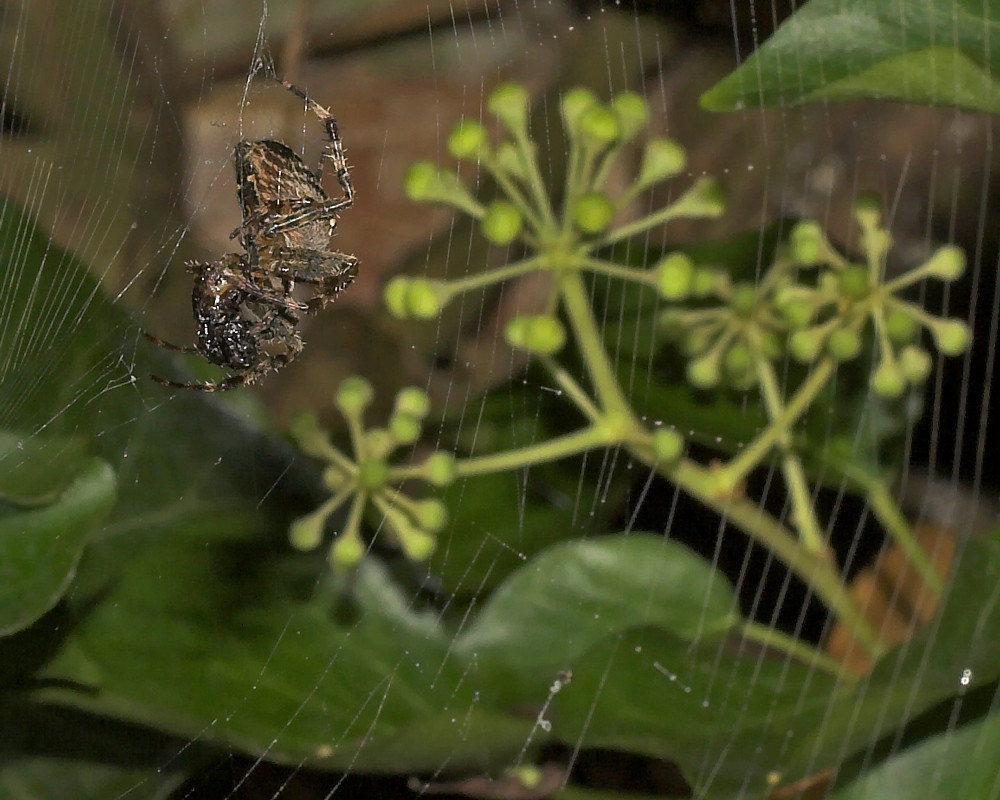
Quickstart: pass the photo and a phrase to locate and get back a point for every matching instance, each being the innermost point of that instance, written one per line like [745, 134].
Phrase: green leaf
[956, 763]
[939, 52]
[577, 593]
[229, 644]
[33, 470]
[40, 548]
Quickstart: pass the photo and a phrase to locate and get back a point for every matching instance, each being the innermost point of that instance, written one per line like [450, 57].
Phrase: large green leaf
[940, 52]
[955, 763]
[40, 547]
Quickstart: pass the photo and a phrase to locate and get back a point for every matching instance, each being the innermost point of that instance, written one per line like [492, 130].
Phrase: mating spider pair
[243, 302]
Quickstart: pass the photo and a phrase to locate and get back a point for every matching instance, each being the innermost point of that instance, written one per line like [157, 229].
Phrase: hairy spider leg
[334, 150]
[306, 210]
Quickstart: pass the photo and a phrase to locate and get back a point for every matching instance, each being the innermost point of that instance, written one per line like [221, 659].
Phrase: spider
[243, 302]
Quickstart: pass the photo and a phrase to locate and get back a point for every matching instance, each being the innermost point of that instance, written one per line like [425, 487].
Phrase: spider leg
[334, 150]
[301, 211]
[189, 349]
[317, 267]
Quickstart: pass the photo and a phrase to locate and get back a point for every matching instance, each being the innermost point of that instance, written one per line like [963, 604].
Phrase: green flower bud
[468, 139]
[373, 473]
[663, 159]
[703, 373]
[868, 210]
[633, 113]
[805, 344]
[947, 263]
[888, 380]
[668, 445]
[795, 305]
[423, 299]
[306, 532]
[599, 126]
[417, 544]
[543, 334]
[705, 199]
[952, 336]
[574, 103]
[770, 345]
[440, 469]
[915, 362]
[592, 212]
[675, 276]
[502, 222]
[395, 295]
[736, 361]
[432, 515]
[808, 244]
[673, 325]
[843, 344]
[900, 326]
[508, 160]
[309, 436]
[704, 282]
[413, 401]
[743, 300]
[853, 282]
[346, 551]
[354, 395]
[509, 102]
[405, 428]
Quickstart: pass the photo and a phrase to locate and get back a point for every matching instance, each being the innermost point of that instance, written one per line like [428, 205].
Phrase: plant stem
[562, 446]
[776, 640]
[612, 270]
[577, 304]
[795, 476]
[491, 276]
[887, 512]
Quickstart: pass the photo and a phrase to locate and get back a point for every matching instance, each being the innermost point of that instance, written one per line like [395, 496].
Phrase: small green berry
[947, 263]
[395, 296]
[592, 212]
[632, 111]
[502, 222]
[468, 139]
[306, 532]
[414, 401]
[663, 159]
[432, 514]
[793, 302]
[346, 551]
[420, 179]
[915, 362]
[843, 344]
[952, 336]
[405, 428]
[417, 544]
[743, 300]
[423, 300]
[354, 395]
[599, 126]
[853, 282]
[704, 282]
[703, 373]
[574, 103]
[508, 160]
[675, 276]
[668, 445]
[543, 334]
[440, 468]
[900, 326]
[808, 243]
[805, 344]
[888, 380]
[736, 361]
[867, 209]
[509, 102]
[373, 473]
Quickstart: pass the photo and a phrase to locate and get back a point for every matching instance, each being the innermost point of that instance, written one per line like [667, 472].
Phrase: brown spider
[243, 303]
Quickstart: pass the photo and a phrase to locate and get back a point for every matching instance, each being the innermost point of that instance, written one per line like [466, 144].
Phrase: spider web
[119, 127]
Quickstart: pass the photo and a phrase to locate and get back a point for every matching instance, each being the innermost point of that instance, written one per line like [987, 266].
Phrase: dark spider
[243, 303]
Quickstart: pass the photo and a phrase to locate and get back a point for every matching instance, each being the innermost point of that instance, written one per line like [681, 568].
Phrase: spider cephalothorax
[243, 303]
